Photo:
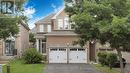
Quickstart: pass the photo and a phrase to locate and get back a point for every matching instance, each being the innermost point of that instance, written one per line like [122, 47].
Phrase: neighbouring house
[107, 48]
[14, 46]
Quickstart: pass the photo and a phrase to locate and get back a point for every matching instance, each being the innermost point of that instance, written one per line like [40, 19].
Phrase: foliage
[108, 59]
[31, 56]
[8, 26]
[111, 59]
[9, 23]
[107, 21]
[31, 38]
[102, 58]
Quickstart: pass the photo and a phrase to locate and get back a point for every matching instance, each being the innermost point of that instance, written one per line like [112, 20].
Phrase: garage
[77, 55]
[57, 55]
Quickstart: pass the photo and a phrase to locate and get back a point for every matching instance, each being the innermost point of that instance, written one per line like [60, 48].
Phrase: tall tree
[102, 20]
[9, 23]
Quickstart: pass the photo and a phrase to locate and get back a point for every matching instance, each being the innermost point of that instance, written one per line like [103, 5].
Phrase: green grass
[17, 66]
[104, 69]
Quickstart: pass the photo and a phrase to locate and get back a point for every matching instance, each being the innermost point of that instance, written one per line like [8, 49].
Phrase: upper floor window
[41, 28]
[60, 24]
[48, 28]
[66, 23]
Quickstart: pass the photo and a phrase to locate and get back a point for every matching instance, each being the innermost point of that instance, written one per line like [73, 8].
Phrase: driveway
[69, 68]
[127, 68]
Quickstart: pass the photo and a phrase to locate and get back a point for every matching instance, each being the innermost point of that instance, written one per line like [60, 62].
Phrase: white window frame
[66, 23]
[60, 24]
[41, 28]
[48, 28]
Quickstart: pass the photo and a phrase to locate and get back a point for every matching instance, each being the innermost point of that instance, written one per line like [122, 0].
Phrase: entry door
[58, 55]
[77, 55]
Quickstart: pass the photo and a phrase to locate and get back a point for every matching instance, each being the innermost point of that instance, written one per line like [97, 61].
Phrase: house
[107, 48]
[55, 37]
[14, 46]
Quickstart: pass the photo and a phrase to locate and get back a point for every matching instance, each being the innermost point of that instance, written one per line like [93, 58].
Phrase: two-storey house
[55, 37]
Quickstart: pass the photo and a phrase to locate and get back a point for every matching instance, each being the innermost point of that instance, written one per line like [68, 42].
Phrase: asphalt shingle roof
[47, 19]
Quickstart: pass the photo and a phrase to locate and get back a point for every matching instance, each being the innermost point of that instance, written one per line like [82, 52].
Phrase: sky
[38, 9]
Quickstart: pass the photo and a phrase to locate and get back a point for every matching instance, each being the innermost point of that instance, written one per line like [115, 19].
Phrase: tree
[31, 38]
[9, 24]
[106, 21]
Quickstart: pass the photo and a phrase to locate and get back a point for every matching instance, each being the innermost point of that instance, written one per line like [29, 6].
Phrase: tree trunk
[120, 58]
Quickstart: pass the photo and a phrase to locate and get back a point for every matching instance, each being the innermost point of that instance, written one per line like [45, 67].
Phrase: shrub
[102, 58]
[31, 56]
[111, 59]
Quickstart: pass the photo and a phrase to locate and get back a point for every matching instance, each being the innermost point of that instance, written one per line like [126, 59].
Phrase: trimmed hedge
[32, 56]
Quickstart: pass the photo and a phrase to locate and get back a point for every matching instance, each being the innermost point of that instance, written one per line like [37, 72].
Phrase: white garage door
[77, 55]
[58, 55]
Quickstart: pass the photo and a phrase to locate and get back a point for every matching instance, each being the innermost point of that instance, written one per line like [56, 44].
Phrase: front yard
[104, 69]
[17, 66]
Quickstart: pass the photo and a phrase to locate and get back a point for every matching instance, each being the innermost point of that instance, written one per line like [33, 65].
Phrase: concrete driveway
[69, 68]
[127, 68]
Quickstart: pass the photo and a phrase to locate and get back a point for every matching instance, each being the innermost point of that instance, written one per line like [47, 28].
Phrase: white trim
[54, 17]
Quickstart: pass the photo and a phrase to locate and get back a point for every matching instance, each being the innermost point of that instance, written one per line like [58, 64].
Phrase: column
[37, 44]
[41, 46]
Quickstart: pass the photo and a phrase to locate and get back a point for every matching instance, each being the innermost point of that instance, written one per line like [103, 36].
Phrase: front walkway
[69, 68]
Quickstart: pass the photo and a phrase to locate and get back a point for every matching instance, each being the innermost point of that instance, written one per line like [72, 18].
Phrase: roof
[47, 19]
[33, 30]
[61, 33]
[54, 17]
[22, 22]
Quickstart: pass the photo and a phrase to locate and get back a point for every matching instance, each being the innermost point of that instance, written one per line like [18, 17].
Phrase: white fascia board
[54, 17]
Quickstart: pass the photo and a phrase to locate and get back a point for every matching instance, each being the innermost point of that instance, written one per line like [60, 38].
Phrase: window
[73, 49]
[9, 47]
[60, 23]
[41, 28]
[48, 28]
[61, 49]
[54, 49]
[81, 49]
[66, 23]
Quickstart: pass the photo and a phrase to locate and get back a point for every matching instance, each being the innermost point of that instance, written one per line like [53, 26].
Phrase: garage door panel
[57, 56]
[77, 56]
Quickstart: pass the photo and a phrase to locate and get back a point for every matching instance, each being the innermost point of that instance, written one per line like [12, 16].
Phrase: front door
[9, 47]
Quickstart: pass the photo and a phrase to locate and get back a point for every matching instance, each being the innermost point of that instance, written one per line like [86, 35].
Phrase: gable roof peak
[62, 9]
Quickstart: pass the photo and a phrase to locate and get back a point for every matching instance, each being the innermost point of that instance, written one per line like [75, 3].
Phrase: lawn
[104, 69]
[17, 66]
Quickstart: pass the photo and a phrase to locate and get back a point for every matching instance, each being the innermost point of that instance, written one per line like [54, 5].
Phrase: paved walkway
[69, 68]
